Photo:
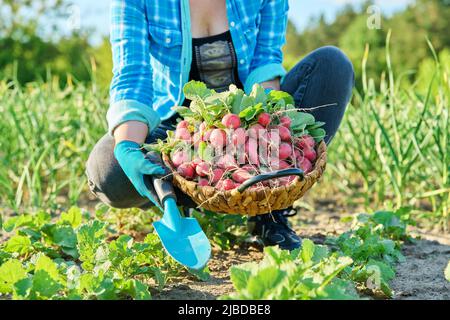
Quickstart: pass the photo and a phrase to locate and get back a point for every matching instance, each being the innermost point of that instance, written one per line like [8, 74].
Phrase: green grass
[45, 139]
[393, 147]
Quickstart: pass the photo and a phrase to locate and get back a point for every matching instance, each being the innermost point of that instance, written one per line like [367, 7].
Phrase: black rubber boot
[273, 230]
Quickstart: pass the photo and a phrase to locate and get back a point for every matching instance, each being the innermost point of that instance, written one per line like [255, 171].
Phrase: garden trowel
[183, 238]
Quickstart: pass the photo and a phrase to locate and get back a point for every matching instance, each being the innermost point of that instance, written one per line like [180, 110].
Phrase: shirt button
[232, 24]
[242, 61]
[168, 40]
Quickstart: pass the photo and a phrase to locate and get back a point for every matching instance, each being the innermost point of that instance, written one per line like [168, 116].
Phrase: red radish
[218, 138]
[285, 122]
[186, 170]
[231, 121]
[216, 175]
[226, 162]
[203, 182]
[202, 127]
[279, 164]
[310, 154]
[227, 184]
[197, 138]
[264, 119]
[249, 168]
[203, 169]
[252, 151]
[304, 164]
[241, 175]
[253, 131]
[206, 135]
[182, 124]
[183, 134]
[195, 162]
[239, 136]
[285, 133]
[285, 151]
[306, 142]
[285, 180]
[179, 157]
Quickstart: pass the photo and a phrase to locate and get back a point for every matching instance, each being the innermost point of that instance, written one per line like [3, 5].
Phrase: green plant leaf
[90, 237]
[276, 96]
[239, 276]
[318, 134]
[61, 235]
[307, 252]
[447, 272]
[72, 217]
[196, 89]
[265, 282]
[11, 272]
[259, 94]
[18, 244]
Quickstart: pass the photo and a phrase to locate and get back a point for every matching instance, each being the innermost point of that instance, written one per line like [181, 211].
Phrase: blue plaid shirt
[152, 53]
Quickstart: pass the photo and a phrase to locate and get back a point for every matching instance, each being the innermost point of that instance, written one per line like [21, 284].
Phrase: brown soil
[421, 276]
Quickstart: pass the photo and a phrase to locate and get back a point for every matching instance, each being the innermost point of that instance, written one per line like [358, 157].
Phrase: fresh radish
[304, 164]
[279, 164]
[227, 184]
[203, 169]
[206, 135]
[195, 162]
[285, 122]
[252, 151]
[182, 134]
[218, 138]
[202, 182]
[253, 131]
[285, 180]
[264, 119]
[226, 162]
[186, 170]
[310, 154]
[202, 127]
[306, 142]
[241, 175]
[285, 133]
[285, 151]
[249, 168]
[239, 136]
[231, 121]
[182, 124]
[216, 175]
[179, 157]
[197, 138]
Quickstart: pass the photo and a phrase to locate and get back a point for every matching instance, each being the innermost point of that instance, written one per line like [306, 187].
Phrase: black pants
[322, 83]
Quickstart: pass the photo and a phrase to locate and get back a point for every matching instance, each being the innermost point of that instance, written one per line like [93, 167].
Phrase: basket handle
[271, 175]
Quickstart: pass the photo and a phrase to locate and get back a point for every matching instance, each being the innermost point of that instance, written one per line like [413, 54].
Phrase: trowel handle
[164, 189]
[162, 184]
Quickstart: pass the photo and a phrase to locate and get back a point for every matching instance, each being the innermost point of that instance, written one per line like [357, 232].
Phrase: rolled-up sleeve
[267, 60]
[131, 92]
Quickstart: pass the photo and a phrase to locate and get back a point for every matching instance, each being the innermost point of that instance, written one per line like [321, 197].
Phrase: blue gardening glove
[267, 90]
[136, 165]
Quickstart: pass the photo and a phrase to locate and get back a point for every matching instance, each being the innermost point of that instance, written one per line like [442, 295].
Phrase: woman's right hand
[129, 136]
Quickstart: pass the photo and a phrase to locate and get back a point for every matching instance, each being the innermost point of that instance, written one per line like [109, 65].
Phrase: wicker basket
[251, 202]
